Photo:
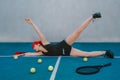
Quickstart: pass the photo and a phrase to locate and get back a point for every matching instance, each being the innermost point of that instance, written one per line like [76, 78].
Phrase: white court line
[52, 56]
[55, 69]
[6, 56]
[31, 56]
[117, 56]
[25, 56]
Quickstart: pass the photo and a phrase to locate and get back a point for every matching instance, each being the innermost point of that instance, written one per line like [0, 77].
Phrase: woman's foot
[109, 54]
[97, 15]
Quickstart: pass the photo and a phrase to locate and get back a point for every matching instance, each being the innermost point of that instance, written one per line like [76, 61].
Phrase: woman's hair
[36, 42]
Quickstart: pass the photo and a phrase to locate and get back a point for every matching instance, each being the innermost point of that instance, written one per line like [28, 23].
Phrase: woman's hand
[28, 20]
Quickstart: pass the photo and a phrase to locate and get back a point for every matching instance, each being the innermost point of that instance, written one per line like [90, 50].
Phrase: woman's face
[38, 47]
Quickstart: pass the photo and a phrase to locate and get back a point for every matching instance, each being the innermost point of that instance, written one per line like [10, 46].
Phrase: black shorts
[65, 47]
[58, 49]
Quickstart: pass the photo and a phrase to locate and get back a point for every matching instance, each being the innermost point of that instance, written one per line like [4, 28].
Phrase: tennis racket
[91, 69]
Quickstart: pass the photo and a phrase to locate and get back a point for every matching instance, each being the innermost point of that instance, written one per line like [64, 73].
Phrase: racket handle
[104, 65]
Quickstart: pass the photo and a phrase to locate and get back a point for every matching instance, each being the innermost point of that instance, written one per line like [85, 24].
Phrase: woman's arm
[42, 37]
[33, 54]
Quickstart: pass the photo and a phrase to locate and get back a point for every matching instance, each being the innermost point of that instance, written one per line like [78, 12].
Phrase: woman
[63, 48]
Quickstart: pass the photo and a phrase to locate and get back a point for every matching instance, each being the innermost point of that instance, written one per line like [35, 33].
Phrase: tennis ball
[39, 60]
[85, 59]
[15, 57]
[32, 70]
[50, 68]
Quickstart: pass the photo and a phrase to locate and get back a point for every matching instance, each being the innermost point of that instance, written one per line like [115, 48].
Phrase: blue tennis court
[22, 22]
[64, 67]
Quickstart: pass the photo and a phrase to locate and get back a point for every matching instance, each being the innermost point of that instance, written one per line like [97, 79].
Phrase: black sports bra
[53, 50]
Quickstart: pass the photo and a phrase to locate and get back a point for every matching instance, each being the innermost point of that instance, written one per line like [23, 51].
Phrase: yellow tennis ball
[15, 57]
[85, 59]
[32, 70]
[50, 68]
[39, 60]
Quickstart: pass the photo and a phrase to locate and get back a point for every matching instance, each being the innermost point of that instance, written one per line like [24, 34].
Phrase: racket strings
[87, 70]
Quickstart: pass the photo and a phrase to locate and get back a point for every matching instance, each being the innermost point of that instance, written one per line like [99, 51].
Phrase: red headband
[36, 43]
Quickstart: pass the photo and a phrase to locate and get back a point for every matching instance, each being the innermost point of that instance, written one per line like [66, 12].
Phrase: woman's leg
[76, 52]
[72, 37]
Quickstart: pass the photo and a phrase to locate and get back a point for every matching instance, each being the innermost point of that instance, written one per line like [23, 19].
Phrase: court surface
[64, 67]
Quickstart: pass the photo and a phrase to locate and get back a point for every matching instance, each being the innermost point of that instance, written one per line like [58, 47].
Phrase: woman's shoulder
[46, 43]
